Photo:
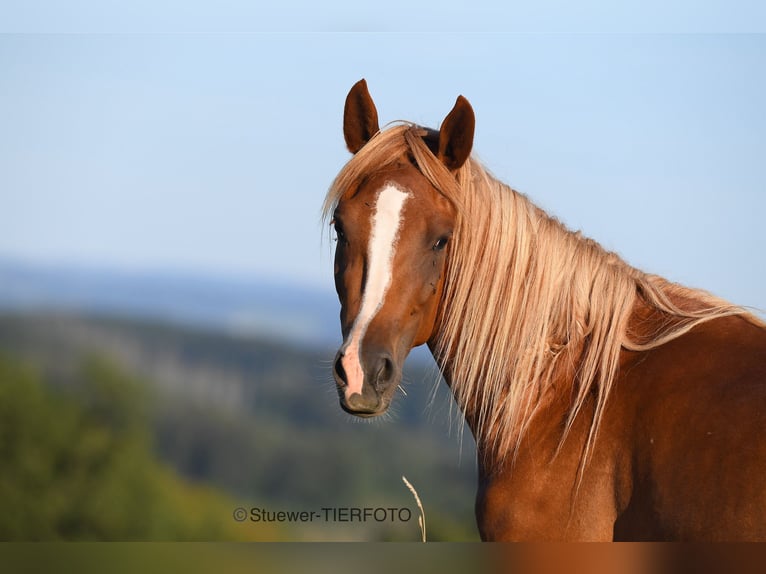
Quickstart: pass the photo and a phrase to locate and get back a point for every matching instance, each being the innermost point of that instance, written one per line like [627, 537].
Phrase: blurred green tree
[77, 464]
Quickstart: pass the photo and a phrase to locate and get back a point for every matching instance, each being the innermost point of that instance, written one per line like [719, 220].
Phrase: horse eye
[441, 243]
[339, 235]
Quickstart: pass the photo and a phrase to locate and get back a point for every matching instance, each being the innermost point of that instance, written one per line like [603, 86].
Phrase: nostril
[385, 370]
[340, 372]
[388, 369]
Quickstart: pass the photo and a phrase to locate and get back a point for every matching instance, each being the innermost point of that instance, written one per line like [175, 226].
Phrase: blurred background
[167, 318]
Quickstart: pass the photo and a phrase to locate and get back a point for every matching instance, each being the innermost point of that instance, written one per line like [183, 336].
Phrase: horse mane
[539, 299]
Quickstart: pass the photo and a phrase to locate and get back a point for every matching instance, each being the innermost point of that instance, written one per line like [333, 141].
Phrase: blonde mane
[526, 300]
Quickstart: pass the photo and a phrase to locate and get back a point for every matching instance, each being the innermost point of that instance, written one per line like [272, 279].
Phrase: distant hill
[287, 312]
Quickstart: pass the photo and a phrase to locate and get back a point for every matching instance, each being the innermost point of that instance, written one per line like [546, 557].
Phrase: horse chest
[539, 498]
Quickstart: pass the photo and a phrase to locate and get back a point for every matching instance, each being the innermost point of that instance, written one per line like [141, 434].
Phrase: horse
[606, 403]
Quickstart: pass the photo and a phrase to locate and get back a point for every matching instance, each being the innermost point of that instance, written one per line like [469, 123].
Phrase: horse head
[393, 229]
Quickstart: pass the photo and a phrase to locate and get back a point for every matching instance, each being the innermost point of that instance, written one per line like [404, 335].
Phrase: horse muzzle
[371, 395]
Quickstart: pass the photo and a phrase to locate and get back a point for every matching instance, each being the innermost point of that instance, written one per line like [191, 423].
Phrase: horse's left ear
[456, 134]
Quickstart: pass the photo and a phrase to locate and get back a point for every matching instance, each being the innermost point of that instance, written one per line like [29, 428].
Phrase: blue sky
[211, 152]
[332, 16]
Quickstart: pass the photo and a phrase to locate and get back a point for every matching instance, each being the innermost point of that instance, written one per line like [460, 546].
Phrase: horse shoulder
[697, 409]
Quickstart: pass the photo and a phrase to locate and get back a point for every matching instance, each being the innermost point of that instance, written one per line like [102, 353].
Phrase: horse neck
[565, 311]
[553, 403]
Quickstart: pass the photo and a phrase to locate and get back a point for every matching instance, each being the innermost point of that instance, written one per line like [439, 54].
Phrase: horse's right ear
[456, 134]
[360, 118]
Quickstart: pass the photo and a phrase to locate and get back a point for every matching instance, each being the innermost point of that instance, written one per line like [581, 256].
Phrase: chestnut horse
[606, 403]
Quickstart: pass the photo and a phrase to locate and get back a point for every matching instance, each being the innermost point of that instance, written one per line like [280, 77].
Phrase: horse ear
[456, 134]
[360, 118]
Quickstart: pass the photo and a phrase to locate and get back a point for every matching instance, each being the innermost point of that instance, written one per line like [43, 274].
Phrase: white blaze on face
[386, 220]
